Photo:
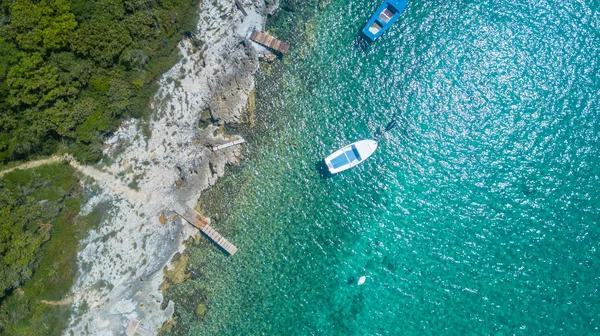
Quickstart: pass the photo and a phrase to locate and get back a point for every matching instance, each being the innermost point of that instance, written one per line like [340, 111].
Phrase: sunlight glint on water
[478, 215]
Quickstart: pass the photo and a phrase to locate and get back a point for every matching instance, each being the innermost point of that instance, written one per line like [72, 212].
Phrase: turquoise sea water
[478, 215]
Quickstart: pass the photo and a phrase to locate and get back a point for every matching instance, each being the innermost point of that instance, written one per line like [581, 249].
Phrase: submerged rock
[200, 310]
[177, 274]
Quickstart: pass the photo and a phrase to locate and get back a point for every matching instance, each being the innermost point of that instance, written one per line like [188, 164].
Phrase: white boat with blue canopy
[350, 155]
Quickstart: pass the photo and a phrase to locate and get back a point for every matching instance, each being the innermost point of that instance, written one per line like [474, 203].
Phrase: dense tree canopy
[70, 69]
[18, 245]
[40, 230]
[29, 203]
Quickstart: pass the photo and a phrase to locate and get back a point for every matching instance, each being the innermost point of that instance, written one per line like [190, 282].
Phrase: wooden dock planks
[201, 224]
[269, 41]
[229, 144]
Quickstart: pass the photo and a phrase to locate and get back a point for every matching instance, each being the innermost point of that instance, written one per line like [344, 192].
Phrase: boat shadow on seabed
[361, 42]
[322, 169]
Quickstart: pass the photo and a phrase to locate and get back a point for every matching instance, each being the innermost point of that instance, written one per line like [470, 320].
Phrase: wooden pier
[229, 144]
[201, 223]
[135, 328]
[269, 42]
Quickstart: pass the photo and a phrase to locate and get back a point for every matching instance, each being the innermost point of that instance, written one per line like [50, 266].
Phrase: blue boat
[383, 18]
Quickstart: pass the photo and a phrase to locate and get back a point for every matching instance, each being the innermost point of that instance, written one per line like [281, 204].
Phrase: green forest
[70, 70]
[35, 205]
[40, 229]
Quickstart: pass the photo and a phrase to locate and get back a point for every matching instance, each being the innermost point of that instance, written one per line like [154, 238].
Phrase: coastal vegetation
[70, 70]
[39, 237]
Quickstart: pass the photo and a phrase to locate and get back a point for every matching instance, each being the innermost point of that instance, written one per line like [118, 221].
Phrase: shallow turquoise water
[478, 215]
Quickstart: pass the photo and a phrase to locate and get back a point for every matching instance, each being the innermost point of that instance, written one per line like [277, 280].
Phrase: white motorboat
[350, 155]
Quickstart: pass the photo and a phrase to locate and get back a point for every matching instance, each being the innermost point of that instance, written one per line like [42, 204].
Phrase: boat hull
[350, 156]
[383, 18]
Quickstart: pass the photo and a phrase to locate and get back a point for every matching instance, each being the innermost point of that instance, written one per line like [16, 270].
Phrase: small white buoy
[362, 280]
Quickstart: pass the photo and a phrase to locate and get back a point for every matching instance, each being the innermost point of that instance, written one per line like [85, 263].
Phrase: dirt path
[99, 176]
[33, 164]
[114, 184]
[62, 302]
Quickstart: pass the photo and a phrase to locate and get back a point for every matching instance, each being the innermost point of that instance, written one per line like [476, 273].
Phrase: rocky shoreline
[122, 262]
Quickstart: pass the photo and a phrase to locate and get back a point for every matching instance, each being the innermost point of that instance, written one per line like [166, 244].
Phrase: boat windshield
[375, 28]
[354, 153]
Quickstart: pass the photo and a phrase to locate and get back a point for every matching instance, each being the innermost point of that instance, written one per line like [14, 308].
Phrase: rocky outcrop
[170, 168]
[231, 93]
